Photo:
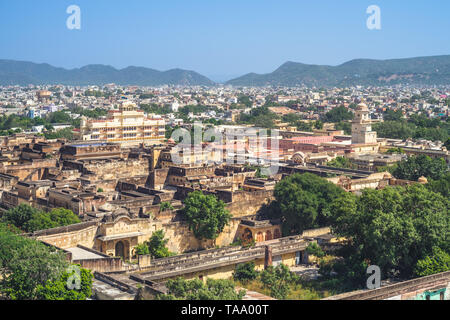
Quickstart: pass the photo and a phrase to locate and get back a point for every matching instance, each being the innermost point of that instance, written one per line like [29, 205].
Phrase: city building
[126, 126]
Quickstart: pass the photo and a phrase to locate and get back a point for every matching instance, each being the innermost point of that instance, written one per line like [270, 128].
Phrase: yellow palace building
[127, 126]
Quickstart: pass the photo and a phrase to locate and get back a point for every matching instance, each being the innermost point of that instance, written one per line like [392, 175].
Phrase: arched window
[259, 237]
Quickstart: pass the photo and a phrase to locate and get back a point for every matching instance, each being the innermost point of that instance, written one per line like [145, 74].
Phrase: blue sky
[220, 38]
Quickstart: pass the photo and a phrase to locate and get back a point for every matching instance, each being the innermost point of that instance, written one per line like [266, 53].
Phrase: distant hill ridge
[433, 70]
[25, 73]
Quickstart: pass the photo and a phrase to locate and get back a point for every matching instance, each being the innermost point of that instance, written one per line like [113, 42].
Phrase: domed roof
[362, 107]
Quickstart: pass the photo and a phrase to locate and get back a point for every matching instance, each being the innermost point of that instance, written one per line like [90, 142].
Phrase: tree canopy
[205, 215]
[30, 219]
[278, 280]
[260, 117]
[245, 272]
[302, 202]
[181, 289]
[341, 162]
[30, 270]
[392, 228]
[338, 114]
[157, 245]
[59, 289]
[417, 166]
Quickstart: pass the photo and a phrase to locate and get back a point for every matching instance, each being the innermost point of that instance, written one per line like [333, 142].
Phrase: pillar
[268, 257]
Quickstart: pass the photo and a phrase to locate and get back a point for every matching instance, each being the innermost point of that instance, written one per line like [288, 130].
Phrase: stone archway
[120, 250]
[299, 158]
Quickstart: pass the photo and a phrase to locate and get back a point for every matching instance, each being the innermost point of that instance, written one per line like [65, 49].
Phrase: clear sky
[223, 38]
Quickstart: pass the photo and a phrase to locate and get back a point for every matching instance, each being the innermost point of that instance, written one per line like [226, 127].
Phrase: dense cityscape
[211, 159]
[91, 172]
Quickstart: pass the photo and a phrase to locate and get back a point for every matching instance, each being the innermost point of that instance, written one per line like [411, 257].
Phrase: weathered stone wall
[70, 236]
[102, 264]
[112, 169]
[158, 178]
[181, 239]
[33, 171]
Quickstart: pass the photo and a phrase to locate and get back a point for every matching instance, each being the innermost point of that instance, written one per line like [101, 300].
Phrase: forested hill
[25, 73]
[415, 71]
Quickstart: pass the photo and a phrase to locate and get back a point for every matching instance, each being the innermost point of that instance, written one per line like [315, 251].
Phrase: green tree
[142, 249]
[157, 245]
[60, 290]
[59, 117]
[66, 133]
[304, 126]
[315, 250]
[245, 100]
[441, 186]
[394, 130]
[438, 262]
[341, 162]
[302, 201]
[53, 219]
[205, 215]
[10, 242]
[181, 289]
[396, 150]
[338, 114]
[392, 228]
[245, 272]
[30, 266]
[165, 206]
[393, 115]
[417, 166]
[19, 216]
[318, 125]
[260, 117]
[345, 126]
[30, 219]
[278, 280]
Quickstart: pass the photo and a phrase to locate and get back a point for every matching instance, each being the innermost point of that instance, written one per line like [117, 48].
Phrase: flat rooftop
[81, 254]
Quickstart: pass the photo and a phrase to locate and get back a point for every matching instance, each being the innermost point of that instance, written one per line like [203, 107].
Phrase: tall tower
[362, 126]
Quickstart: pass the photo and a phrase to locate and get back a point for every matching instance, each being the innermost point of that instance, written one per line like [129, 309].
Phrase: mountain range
[25, 73]
[415, 71]
[433, 70]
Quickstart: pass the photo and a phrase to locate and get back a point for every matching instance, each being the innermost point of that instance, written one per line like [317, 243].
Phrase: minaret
[362, 126]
